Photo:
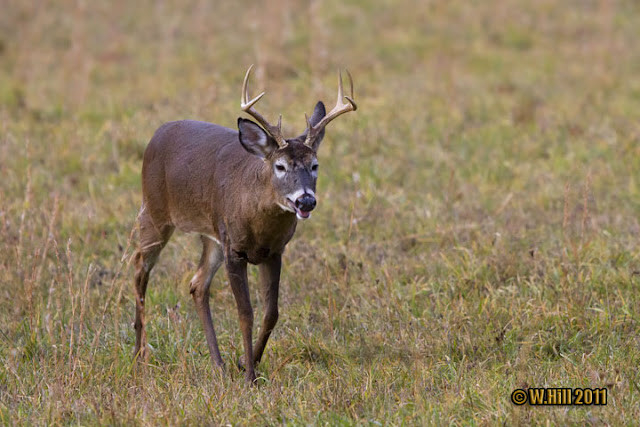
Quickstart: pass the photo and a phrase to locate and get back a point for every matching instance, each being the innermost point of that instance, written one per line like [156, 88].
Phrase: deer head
[293, 163]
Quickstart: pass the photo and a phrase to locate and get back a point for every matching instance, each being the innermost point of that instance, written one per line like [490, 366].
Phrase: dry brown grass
[477, 228]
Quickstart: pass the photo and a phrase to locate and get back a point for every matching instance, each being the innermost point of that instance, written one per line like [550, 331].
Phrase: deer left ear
[318, 113]
[254, 139]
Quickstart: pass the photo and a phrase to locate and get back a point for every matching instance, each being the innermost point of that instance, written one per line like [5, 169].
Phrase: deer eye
[314, 167]
[280, 167]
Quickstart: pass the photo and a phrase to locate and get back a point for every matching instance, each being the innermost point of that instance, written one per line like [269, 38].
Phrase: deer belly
[193, 223]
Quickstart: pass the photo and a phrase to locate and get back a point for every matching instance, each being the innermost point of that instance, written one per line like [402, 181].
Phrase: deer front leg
[237, 271]
[269, 284]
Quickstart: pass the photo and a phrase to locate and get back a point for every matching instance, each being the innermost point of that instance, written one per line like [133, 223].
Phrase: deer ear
[318, 113]
[254, 139]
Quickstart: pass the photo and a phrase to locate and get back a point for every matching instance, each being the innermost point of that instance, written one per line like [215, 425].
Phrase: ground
[477, 228]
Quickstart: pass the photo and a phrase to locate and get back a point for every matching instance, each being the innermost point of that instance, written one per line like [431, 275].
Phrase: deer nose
[306, 202]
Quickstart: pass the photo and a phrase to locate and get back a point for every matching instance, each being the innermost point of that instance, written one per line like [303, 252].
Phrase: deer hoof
[240, 363]
[252, 381]
[141, 355]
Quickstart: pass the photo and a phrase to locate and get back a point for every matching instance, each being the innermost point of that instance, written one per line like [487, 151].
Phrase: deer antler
[340, 108]
[247, 107]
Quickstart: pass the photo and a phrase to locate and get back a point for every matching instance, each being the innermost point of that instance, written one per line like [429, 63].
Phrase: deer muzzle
[306, 203]
[303, 205]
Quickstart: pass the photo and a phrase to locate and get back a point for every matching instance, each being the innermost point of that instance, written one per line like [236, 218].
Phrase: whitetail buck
[243, 192]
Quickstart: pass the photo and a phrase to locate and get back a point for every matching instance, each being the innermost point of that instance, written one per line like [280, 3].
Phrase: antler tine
[244, 99]
[340, 108]
[350, 98]
[247, 107]
[340, 104]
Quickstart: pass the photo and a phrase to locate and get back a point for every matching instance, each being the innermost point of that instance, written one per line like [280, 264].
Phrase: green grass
[477, 228]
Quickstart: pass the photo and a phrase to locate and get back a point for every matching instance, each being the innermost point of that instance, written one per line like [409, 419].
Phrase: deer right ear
[254, 139]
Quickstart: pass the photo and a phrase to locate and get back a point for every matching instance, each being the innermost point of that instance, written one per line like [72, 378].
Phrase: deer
[243, 191]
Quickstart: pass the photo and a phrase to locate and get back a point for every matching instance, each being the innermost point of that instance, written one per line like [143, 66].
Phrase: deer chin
[300, 214]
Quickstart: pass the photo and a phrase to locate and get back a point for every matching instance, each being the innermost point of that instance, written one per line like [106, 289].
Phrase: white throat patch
[286, 208]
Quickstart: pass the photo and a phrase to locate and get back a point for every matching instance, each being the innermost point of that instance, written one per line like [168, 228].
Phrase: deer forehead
[295, 153]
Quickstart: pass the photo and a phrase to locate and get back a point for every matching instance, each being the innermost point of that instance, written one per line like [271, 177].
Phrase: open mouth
[299, 212]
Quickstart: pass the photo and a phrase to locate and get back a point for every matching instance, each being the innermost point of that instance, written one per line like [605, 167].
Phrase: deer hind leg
[152, 240]
[210, 262]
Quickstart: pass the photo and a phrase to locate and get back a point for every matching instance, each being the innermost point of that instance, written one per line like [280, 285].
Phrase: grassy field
[477, 228]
